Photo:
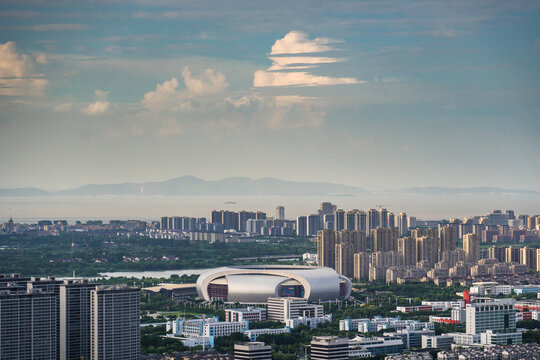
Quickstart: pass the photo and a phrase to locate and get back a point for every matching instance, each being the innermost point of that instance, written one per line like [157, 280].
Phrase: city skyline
[383, 95]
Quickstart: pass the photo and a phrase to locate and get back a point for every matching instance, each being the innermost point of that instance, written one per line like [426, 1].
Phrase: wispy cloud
[300, 62]
[50, 27]
[264, 78]
[296, 43]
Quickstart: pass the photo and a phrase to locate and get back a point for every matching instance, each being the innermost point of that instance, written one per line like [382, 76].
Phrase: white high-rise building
[489, 314]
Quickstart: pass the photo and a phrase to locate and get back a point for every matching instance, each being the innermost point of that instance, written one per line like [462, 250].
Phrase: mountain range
[193, 186]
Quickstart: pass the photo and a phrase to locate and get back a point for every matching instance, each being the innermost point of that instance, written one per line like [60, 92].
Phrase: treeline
[89, 255]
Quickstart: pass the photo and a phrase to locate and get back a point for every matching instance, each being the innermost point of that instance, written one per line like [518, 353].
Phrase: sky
[377, 94]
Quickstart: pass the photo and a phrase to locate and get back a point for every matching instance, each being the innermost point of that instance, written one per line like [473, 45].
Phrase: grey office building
[75, 319]
[28, 324]
[115, 323]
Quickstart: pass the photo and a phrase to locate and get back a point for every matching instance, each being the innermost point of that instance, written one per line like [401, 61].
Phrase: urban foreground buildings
[45, 318]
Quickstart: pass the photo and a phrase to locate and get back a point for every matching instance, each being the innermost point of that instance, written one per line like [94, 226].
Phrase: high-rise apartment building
[326, 243]
[327, 208]
[28, 324]
[344, 254]
[407, 250]
[313, 224]
[339, 220]
[384, 239]
[425, 231]
[527, 256]
[301, 226]
[361, 221]
[471, 246]
[403, 224]
[383, 218]
[329, 348]
[513, 254]
[391, 220]
[280, 212]
[498, 253]
[328, 222]
[361, 266]
[114, 323]
[447, 238]
[372, 220]
[351, 222]
[427, 249]
[75, 319]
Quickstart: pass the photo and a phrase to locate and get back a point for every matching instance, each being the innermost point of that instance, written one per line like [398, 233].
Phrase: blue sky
[378, 94]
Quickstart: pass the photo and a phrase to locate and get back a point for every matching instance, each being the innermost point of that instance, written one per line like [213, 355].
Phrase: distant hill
[23, 192]
[192, 186]
[435, 190]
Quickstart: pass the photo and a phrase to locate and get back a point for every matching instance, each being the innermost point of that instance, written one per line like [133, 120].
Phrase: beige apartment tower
[407, 251]
[427, 249]
[471, 246]
[448, 238]
[345, 259]
[326, 244]
[384, 239]
[361, 266]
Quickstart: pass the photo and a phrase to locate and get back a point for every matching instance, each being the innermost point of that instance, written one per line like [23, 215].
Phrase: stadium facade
[254, 284]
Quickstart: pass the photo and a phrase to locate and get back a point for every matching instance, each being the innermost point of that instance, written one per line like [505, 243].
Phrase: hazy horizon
[425, 207]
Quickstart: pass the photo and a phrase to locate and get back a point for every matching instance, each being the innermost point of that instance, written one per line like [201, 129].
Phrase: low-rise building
[437, 341]
[329, 347]
[252, 351]
[250, 313]
[312, 322]
[253, 334]
[377, 345]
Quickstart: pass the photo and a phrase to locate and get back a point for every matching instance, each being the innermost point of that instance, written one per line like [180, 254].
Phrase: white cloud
[63, 107]
[209, 81]
[264, 78]
[17, 75]
[245, 100]
[300, 62]
[101, 94]
[96, 108]
[167, 96]
[297, 42]
[164, 97]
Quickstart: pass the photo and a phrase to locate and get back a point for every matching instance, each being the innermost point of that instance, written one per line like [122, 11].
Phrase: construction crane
[381, 205]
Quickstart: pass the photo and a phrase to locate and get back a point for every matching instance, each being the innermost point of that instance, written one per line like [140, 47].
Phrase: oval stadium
[254, 284]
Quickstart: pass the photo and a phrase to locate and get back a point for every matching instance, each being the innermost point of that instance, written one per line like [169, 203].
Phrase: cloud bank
[17, 73]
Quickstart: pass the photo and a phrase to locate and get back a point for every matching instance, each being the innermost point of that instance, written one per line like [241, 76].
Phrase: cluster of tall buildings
[329, 217]
[46, 318]
[397, 253]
